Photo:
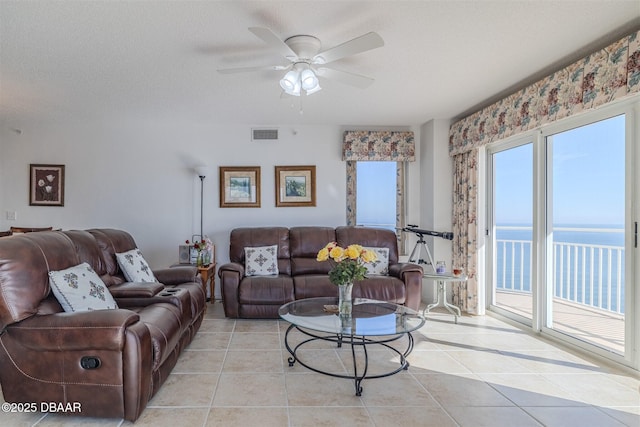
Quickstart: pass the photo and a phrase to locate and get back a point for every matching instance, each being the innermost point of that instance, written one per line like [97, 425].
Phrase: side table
[207, 273]
[440, 288]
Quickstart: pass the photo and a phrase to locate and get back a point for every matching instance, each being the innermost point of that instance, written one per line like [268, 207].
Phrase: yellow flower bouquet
[349, 262]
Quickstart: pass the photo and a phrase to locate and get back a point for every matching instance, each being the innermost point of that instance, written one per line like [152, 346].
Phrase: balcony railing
[583, 273]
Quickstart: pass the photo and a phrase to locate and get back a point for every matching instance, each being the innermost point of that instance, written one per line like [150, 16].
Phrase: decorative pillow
[261, 261]
[379, 267]
[79, 288]
[134, 267]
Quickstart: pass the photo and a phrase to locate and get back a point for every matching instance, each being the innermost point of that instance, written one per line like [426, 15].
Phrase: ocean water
[589, 264]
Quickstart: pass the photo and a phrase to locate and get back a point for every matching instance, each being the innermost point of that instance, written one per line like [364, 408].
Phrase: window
[375, 195]
[376, 189]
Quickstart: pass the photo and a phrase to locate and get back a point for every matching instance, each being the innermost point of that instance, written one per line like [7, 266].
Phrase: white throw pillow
[134, 267]
[261, 261]
[379, 267]
[79, 288]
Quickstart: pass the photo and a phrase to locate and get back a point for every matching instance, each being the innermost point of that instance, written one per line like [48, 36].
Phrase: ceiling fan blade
[250, 69]
[352, 79]
[352, 47]
[267, 36]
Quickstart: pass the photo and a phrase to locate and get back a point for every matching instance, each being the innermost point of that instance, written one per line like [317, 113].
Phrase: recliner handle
[90, 362]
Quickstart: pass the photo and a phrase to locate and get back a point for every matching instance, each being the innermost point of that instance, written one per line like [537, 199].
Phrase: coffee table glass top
[369, 317]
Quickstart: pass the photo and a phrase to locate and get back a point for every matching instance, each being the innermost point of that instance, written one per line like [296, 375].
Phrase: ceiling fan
[307, 61]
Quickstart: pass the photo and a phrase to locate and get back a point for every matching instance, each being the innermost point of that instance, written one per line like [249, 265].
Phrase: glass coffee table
[371, 323]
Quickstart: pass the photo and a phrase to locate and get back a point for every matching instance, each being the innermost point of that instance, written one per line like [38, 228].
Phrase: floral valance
[606, 75]
[379, 145]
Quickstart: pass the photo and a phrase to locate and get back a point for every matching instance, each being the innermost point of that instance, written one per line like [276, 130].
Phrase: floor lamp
[202, 173]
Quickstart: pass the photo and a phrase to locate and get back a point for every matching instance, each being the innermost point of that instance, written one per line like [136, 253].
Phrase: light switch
[12, 215]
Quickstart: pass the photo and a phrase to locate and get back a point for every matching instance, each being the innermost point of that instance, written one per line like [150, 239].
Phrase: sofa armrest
[177, 275]
[411, 275]
[231, 274]
[232, 267]
[91, 330]
[398, 270]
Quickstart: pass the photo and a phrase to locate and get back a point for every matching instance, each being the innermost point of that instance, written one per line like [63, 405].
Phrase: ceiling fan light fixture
[314, 89]
[306, 60]
[309, 79]
[295, 90]
[290, 80]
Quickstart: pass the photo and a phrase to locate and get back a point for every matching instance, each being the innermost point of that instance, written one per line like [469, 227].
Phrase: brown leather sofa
[301, 276]
[107, 362]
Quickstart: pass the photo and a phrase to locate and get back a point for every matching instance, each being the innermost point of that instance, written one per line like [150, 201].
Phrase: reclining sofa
[301, 276]
[107, 363]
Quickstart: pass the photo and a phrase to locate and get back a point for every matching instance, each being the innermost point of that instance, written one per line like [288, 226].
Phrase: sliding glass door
[512, 230]
[560, 233]
[586, 248]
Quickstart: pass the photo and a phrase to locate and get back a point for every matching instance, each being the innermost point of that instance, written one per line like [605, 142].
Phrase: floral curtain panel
[465, 183]
[606, 75]
[352, 185]
[379, 145]
[609, 74]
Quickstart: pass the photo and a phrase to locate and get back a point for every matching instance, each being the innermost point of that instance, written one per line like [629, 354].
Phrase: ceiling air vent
[264, 134]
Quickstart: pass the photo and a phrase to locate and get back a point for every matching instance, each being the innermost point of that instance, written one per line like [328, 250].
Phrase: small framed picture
[239, 186]
[46, 185]
[295, 186]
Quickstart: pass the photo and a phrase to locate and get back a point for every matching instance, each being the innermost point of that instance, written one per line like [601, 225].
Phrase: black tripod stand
[439, 280]
[421, 245]
[418, 249]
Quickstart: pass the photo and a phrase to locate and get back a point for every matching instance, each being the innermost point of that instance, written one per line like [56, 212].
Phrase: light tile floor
[480, 372]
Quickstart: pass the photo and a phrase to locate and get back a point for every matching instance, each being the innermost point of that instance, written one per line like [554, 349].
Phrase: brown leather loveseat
[106, 363]
[301, 276]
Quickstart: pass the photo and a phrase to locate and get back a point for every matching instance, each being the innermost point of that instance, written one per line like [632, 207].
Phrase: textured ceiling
[157, 61]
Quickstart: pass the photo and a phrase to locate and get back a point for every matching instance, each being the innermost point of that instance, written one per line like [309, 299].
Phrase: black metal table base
[354, 341]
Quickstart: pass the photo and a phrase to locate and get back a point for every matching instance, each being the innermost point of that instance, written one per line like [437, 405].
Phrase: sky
[588, 177]
[376, 203]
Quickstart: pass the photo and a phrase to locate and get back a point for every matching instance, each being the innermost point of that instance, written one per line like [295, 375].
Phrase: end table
[440, 287]
[207, 273]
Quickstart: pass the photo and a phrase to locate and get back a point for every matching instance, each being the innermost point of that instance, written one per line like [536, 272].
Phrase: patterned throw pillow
[261, 261]
[79, 288]
[134, 267]
[380, 267]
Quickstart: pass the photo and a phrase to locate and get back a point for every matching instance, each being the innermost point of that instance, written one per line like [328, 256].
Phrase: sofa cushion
[261, 261]
[134, 267]
[305, 243]
[261, 236]
[381, 288]
[266, 290]
[379, 267]
[88, 250]
[314, 285]
[80, 289]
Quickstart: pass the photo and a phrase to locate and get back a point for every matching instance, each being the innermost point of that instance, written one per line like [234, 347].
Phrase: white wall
[436, 205]
[139, 177]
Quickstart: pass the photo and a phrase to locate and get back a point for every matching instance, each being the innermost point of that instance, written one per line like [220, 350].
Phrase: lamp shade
[290, 80]
[313, 89]
[201, 171]
[308, 79]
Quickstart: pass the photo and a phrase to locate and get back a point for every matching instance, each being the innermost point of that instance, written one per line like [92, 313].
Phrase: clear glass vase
[345, 303]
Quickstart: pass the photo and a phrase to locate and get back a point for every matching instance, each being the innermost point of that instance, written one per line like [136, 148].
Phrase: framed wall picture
[295, 186]
[46, 185]
[239, 186]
